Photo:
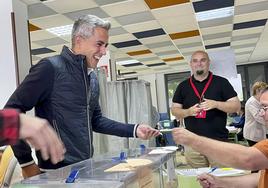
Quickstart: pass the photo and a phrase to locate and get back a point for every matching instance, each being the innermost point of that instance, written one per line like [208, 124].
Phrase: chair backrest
[7, 166]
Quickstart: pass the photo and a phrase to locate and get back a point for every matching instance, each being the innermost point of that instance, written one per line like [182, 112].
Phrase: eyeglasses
[263, 109]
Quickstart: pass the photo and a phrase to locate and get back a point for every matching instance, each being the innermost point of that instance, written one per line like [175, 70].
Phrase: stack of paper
[217, 172]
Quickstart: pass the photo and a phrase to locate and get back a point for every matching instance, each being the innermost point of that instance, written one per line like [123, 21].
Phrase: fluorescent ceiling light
[61, 30]
[215, 13]
[127, 62]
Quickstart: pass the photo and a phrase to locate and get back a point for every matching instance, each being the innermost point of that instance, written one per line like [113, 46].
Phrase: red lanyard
[205, 88]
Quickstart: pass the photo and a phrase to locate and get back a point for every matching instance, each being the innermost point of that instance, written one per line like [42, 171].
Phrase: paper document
[217, 172]
[168, 149]
[129, 165]
[165, 130]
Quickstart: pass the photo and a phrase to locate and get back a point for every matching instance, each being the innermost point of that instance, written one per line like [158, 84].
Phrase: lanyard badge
[203, 113]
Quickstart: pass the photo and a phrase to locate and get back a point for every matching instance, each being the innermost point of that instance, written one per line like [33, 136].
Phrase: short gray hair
[85, 25]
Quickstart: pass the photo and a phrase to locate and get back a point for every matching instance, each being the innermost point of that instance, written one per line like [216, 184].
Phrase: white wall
[7, 63]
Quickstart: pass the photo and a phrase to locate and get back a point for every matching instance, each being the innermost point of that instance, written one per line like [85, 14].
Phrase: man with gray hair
[65, 91]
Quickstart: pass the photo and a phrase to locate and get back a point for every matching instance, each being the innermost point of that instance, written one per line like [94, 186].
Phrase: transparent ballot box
[99, 172]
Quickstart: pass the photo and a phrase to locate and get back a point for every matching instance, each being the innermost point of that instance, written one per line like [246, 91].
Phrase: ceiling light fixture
[215, 13]
[127, 62]
[61, 30]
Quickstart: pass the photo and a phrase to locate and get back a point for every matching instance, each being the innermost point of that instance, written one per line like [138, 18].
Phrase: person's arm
[9, 127]
[34, 89]
[229, 106]
[245, 181]
[234, 155]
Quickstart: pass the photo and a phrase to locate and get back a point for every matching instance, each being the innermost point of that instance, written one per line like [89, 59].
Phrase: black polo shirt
[213, 126]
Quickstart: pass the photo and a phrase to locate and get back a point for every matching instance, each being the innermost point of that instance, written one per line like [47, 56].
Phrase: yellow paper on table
[130, 164]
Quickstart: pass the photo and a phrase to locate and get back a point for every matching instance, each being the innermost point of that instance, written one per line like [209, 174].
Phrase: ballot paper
[165, 130]
[217, 172]
[161, 150]
[128, 165]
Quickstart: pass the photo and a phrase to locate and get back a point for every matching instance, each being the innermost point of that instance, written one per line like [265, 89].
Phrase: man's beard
[200, 72]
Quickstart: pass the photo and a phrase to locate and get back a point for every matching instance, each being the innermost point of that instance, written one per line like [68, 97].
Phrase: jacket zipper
[54, 123]
[88, 123]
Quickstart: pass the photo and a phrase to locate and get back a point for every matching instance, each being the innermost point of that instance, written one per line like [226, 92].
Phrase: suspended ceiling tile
[132, 64]
[161, 38]
[141, 52]
[117, 31]
[216, 29]
[217, 35]
[134, 18]
[252, 7]
[219, 45]
[126, 44]
[156, 64]
[242, 58]
[245, 25]
[244, 41]
[159, 4]
[254, 36]
[176, 52]
[51, 42]
[41, 35]
[250, 16]
[51, 21]
[70, 6]
[185, 34]
[149, 33]
[57, 48]
[35, 58]
[33, 27]
[142, 56]
[178, 58]
[253, 30]
[163, 49]
[244, 2]
[121, 38]
[40, 51]
[159, 44]
[149, 59]
[187, 40]
[152, 62]
[244, 53]
[173, 12]
[106, 2]
[137, 27]
[190, 45]
[243, 46]
[113, 22]
[212, 4]
[217, 41]
[191, 50]
[216, 22]
[133, 48]
[94, 11]
[187, 23]
[30, 2]
[39, 10]
[34, 45]
[243, 49]
[125, 8]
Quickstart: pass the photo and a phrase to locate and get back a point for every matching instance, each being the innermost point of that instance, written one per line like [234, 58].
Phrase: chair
[7, 166]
